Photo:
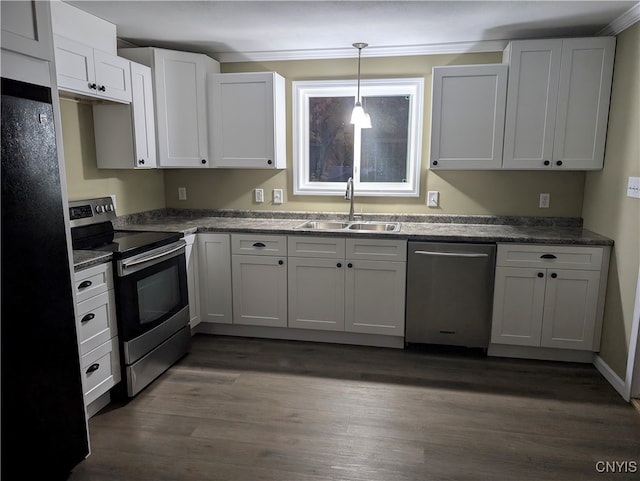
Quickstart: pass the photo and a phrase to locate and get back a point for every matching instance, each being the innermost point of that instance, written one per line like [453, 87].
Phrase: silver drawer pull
[450, 254]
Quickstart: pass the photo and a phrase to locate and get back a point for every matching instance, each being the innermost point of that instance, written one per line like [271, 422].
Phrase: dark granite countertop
[83, 259]
[437, 228]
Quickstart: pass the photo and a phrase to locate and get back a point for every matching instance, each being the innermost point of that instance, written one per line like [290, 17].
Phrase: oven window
[158, 294]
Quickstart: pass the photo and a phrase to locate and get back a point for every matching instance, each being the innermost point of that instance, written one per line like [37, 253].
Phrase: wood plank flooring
[238, 409]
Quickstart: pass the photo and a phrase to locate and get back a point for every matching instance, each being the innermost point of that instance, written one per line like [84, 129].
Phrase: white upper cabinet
[467, 118]
[558, 103]
[179, 83]
[125, 134]
[247, 120]
[84, 70]
[26, 28]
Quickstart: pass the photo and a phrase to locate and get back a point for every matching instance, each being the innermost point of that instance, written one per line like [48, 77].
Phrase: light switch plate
[277, 196]
[182, 193]
[633, 187]
[545, 200]
[259, 195]
[433, 198]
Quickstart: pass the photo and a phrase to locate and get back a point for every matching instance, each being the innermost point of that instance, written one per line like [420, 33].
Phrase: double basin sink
[358, 226]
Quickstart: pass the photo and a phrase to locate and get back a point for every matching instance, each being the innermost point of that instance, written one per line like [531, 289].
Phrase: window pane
[330, 139]
[384, 146]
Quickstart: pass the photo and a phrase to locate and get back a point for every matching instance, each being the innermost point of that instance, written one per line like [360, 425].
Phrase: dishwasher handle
[451, 254]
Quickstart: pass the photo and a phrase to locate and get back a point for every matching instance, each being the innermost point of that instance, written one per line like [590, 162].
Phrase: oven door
[151, 288]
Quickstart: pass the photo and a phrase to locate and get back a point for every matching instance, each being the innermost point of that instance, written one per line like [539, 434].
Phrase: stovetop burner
[92, 229]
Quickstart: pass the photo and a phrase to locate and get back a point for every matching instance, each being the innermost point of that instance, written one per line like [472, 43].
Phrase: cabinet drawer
[100, 370]
[259, 245]
[93, 281]
[542, 256]
[319, 247]
[96, 321]
[377, 249]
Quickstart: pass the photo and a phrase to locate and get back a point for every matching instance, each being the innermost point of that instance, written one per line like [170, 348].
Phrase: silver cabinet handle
[449, 254]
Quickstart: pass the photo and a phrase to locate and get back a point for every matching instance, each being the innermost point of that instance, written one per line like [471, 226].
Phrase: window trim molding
[303, 90]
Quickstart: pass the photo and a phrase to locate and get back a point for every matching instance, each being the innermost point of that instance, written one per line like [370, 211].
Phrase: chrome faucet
[348, 195]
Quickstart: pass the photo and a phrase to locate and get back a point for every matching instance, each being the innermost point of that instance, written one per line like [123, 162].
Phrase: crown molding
[435, 49]
[624, 21]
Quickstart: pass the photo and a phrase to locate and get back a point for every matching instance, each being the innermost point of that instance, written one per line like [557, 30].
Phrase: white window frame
[304, 90]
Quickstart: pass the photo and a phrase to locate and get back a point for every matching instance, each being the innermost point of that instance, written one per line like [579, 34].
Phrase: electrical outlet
[182, 193]
[633, 188]
[433, 198]
[545, 200]
[277, 196]
[259, 195]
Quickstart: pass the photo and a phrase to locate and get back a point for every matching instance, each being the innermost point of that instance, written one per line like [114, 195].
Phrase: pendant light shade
[359, 117]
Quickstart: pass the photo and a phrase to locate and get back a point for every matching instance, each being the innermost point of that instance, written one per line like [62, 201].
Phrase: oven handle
[127, 264]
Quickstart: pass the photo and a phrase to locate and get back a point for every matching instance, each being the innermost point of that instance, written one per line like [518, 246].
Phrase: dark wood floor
[239, 409]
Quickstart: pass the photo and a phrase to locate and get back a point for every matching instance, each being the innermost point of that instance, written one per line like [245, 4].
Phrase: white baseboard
[609, 374]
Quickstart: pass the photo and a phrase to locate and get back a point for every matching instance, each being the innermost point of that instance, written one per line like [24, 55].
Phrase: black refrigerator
[44, 430]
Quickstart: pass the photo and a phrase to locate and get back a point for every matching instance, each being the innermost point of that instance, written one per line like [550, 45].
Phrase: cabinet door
[144, 134]
[180, 89]
[467, 119]
[244, 127]
[316, 293]
[532, 96]
[26, 28]
[113, 76]
[518, 306]
[259, 290]
[374, 299]
[75, 66]
[583, 102]
[214, 277]
[571, 301]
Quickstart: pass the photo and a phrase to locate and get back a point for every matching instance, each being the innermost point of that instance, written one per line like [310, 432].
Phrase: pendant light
[358, 116]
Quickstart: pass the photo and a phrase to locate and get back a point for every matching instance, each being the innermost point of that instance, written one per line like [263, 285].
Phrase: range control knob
[109, 207]
[99, 209]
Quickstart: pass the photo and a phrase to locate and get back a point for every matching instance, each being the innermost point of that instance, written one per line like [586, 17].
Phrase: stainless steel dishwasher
[449, 293]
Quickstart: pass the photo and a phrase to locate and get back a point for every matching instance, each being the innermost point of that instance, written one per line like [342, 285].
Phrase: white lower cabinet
[343, 285]
[191, 254]
[214, 278]
[259, 279]
[549, 296]
[97, 332]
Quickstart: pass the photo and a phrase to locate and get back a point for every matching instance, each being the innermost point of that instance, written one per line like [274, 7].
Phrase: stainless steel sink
[375, 226]
[371, 226]
[323, 225]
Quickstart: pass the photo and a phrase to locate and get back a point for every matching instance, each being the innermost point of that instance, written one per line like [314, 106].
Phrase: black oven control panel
[91, 211]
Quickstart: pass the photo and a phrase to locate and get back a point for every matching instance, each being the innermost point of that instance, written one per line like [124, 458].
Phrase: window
[328, 149]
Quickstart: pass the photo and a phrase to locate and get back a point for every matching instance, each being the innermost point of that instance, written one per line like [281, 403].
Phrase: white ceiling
[274, 30]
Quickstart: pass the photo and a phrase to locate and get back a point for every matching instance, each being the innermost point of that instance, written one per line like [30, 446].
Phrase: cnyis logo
[617, 466]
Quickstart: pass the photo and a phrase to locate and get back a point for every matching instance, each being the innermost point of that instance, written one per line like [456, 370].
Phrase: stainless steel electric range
[152, 302]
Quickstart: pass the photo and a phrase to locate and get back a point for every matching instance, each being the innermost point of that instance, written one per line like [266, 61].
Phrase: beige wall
[607, 209]
[135, 190]
[498, 193]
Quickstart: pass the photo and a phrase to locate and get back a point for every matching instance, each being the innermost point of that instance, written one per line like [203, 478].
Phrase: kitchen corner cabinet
[558, 103]
[214, 277]
[467, 118]
[26, 28]
[97, 331]
[179, 85]
[191, 255]
[87, 71]
[549, 296]
[125, 134]
[259, 279]
[353, 285]
[247, 120]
